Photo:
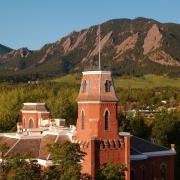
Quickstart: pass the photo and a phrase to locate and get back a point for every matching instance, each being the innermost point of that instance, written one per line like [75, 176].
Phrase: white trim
[96, 72]
[152, 154]
[106, 109]
[96, 102]
[34, 111]
[28, 103]
[43, 162]
[124, 134]
[138, 157]
[22, 136]
[160, 153]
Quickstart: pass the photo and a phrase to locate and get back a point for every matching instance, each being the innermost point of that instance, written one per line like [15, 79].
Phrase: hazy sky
[32, 23]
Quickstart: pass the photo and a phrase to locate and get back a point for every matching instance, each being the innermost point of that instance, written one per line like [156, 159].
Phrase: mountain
[128, 47]
[4, 49]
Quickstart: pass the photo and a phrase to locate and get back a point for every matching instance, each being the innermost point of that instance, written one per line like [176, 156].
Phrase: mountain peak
[129, 47]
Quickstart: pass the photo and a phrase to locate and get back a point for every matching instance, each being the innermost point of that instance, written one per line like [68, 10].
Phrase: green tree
[136, 126]
[21, 167]
[67, 157]
[111, 172]
[3, 165]
[166, 130]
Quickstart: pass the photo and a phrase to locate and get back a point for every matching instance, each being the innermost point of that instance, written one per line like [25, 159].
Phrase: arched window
[82, 120]
[106, 120]
[84, 84]
[30, 123]
[108, 86]
[163, 172]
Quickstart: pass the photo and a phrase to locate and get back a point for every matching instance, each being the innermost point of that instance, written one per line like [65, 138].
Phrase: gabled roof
[142, 145]
[30, 146]
[143, 149]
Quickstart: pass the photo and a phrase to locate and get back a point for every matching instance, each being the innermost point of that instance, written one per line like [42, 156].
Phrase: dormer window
[84, 84]
[108, 85]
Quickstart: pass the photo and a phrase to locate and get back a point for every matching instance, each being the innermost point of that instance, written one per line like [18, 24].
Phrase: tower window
[82, 119]
[108, 85]
[106, 120]
[84, 84]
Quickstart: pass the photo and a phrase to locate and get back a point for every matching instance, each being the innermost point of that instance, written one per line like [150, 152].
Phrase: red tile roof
[30, 146]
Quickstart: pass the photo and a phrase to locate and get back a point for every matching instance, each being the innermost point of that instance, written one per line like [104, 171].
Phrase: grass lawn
[147, 81]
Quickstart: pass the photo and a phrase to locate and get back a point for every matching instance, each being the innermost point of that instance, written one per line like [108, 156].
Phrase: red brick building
[96, 132]
[97, 127]
[33, 114]
[97, 123]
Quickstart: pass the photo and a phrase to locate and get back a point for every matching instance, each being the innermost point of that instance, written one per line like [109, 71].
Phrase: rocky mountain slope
[128, 47]
[4, 49]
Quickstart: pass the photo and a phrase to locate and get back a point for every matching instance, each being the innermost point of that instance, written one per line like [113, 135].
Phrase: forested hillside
[128, 47]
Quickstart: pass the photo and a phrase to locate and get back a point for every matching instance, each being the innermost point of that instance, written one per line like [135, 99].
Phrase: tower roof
[97, 86]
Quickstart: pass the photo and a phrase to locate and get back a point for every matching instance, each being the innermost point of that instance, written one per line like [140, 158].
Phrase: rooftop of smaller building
[143, 149]
[35, 107]
[35, 143]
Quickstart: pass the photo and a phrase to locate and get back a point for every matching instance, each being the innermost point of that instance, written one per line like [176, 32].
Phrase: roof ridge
[55, 141]
[12, 147]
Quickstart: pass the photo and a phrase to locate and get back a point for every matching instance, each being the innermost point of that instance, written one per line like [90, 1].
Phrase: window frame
[84, 86]
[108, 85]
[106, 120]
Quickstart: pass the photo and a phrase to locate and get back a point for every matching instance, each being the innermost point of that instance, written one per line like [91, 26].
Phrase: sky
[33, 23]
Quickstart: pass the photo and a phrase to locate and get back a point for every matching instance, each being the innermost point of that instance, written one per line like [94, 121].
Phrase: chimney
[173, 147]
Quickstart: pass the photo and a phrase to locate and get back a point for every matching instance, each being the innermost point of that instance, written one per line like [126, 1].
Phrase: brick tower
[97, 126]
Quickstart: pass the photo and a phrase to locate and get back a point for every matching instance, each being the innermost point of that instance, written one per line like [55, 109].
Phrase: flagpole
[99, 48]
